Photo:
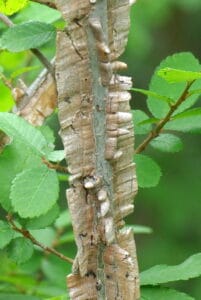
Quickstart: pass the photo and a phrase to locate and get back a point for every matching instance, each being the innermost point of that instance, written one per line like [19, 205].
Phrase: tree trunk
[98, 137]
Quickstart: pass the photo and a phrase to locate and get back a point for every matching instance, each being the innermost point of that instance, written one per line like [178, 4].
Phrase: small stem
[36, 52]
[6, 81]
[6, 20]
[29, 236]
[45, 2]
[44, 61]
[57, 167]
[159, 126]
[62, 177]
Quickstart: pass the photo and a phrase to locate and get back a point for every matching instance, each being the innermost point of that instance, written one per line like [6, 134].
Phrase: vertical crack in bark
[97, 132]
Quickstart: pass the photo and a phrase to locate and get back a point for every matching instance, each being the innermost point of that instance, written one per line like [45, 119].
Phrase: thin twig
[29, 236]
[45, 2]
[36, 52]
[57, 167]
[159, 126]
[6, 81]
[44, 61]
[6, 20]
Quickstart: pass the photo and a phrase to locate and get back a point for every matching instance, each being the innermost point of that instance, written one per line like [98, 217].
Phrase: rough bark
[98, 137]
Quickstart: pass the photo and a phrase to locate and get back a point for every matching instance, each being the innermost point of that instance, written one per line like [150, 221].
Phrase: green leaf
[19, 129]
[27, 35]
[17, 297]
[9, 7]
[183, 61]
[63, 220]
[194, 92]
[6, 234]
[190, 268]
[148, 171]
[167, 143]
[67, 238]
[32, 265]
[48, 133]
[13, 161]
[175, 75]
[55, 271]
[138, 117]
[154, 95]
[188, 121]
[34, 192]
[56, 156]
[37, 12]
[45, 236]
[44, 220]
[159, 293]
[149, 121]
[20, 250]
[141, 229]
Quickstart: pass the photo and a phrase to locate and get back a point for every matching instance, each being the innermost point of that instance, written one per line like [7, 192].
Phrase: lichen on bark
[98, 137]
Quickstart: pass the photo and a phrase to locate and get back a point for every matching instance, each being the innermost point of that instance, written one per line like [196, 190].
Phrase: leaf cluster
[29, 187]
[174, 91]
[153, 278]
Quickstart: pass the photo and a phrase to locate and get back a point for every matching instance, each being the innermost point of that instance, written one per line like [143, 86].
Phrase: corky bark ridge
[97, 132]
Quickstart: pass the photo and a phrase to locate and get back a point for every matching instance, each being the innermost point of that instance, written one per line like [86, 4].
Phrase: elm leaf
[184, 61]
[6, 234]
[187, 121]
[19, 129]
[147, 170]
[160, 293]
[154, 95]
[20, 250]
[27, 35]
[44, 220]
[12, 162]
[10, 7]
[167, 143]
[138, 117]
[190, 268]
[34, 191]
[56, 156]
[172, 75]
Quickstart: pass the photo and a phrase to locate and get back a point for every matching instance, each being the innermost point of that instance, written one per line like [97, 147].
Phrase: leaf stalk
[29, 236]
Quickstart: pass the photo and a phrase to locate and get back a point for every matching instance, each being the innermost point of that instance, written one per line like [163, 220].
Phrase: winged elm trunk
[97, 132]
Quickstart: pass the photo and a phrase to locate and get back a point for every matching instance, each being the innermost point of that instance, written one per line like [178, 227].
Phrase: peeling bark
[38, 101]
[97, 132]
